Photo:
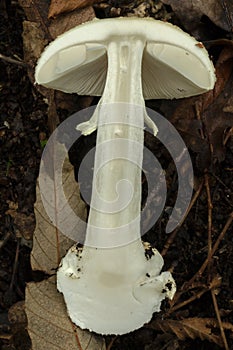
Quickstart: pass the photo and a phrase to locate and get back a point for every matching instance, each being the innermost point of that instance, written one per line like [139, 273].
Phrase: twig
[228, 135]
[5, 239]
[15, 265]
[219, 319]
[227, 13]
[215, 247]
[6, 336]
[12, 60]
[76, 336]
[111, 343]
[210, 208]
[186, 302]
[198, 115]
[223, 184]
[172, 236]
[212, 285]
[53, 118]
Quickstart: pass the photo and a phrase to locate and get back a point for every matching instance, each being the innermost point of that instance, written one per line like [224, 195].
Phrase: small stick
[212, 285]
[227, 14]
[15, 265]
[12, 60]
[172, 236]
[210, 208]
[76, 336]
[5, 239]
[228, 135]
[186, 302]
[111, 343]
[215, 247]
[6, 336]
[219, 319]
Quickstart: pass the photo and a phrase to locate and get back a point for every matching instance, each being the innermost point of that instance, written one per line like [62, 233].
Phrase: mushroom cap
[174, 64]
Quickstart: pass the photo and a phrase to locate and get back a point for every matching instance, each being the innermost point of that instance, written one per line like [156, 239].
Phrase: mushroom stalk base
[113, 285]
[106, 299]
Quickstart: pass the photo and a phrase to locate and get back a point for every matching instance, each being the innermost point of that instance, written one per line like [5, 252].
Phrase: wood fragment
[58, 7]
[6, 336]
[13, 61]
[15, 267]
[111, 342]
[219, 319]
[210, 209]
[215, 283]
[227, 136]
[215, 247]
[5, 239]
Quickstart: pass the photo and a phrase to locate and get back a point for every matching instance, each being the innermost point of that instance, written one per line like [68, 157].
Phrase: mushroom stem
[116, 194]
[113, 275]
[123, 83]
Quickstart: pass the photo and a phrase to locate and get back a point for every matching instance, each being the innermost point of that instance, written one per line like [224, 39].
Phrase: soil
[23, 130]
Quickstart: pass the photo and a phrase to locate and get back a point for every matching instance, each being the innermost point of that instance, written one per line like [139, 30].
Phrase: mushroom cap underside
[174, 65]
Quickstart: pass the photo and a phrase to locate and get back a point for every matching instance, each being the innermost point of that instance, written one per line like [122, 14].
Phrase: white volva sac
[113, 284]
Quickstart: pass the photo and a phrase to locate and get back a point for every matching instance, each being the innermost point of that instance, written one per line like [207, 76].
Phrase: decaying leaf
[58, 7]
[24, 223]
[48, 324]
[70, 20]
[18, 322]
[34, 41]
[49, 244]
[38, 32]
[191, 11]
[36, 11]
[203, 328]
[17, 316]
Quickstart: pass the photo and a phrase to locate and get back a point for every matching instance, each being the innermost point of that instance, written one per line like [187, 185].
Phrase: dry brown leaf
[36, 11]
[34, 39]
[191, 11]
[203, 328]
[49, 326]
[24, 224]
[38, 31]
[18, 323]
[58, 7]
[70, 20]
[17, 316]
[49, 244]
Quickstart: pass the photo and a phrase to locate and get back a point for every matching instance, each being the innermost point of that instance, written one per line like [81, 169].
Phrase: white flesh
[116, 289]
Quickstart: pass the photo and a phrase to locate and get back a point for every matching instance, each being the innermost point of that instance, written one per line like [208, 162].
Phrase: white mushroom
[113, 285]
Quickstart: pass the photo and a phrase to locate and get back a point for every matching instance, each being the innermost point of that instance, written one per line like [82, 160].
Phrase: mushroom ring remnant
[115, 287]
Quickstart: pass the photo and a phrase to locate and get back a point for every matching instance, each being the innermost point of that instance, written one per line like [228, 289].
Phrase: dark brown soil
[23, 128]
